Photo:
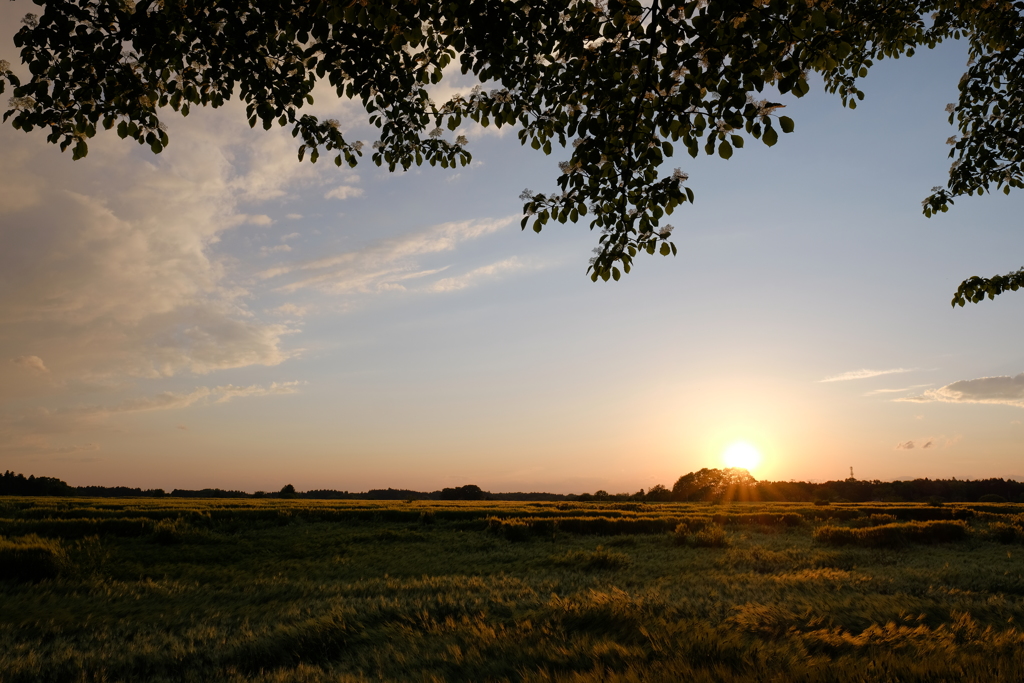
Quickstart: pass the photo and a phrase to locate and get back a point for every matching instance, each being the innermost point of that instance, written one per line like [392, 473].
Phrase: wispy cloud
[30, 433]
[896, 391]
[451, 284]
[927, 443]
[344, 192]
[388, 264]
[170, 400]
[33, 364]
[290, 310]
[865, 374]
[1001, 390]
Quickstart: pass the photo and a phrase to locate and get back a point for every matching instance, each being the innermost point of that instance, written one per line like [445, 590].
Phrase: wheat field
[299, 590]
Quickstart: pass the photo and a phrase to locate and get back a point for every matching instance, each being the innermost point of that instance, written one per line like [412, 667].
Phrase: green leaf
[786, 124]
[770, 137]
[724, 149]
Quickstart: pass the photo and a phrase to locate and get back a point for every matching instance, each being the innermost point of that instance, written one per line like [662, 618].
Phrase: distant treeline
[12, 484]
[711, 485]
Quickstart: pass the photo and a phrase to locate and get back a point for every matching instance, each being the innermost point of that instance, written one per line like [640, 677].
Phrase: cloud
[864, 374]
[1000, 390]
[896, 391]
[169, 400]
[280, 248]
[32, 432]
[289, 309]
[344, 192]
[387, 264]
[927, 443]
[291, 235]
[121, 277]
[33, 364]
[294, 217]
[230, 391]
[451, 284]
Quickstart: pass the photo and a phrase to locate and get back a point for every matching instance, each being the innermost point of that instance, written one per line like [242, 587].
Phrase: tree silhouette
[621, 85]
[717, 485]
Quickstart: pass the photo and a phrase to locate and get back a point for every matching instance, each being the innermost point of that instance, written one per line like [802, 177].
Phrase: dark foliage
[12, 484]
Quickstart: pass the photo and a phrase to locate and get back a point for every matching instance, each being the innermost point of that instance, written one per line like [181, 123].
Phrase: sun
[741, 454]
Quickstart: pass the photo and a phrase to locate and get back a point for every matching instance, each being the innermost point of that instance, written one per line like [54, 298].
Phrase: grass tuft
[31, 558]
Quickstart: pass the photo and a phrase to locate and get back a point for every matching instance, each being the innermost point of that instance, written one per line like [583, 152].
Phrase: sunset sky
[221, 315]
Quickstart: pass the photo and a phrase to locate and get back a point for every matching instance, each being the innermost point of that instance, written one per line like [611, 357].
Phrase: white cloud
[864, 374]
[386, 264]
[280, 248]
[291, 235]
[473, 277]
[344, 192]
[113, 272]
[33, 364]
[294, 217]
[896, 391]
[1000, 390]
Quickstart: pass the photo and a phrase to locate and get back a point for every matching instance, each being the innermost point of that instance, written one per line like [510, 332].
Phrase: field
[298, 590]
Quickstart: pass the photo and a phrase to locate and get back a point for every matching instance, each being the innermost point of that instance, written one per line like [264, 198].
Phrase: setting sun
[742, 454]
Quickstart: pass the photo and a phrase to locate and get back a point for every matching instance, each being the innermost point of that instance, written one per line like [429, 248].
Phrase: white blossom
[22, 102]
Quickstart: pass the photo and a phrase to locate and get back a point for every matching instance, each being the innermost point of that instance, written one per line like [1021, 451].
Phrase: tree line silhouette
[705, 485]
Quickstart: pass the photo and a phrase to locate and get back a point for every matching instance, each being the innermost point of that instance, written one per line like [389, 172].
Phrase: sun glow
[742, 454]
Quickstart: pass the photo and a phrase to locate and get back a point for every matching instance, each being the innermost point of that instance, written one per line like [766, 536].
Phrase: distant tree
[718, 485]
[991, 498]
[12, 484]
[288, 491]
[658, 493]
[467, 492]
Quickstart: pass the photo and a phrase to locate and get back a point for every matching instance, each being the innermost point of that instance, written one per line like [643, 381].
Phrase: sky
[221, 315]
